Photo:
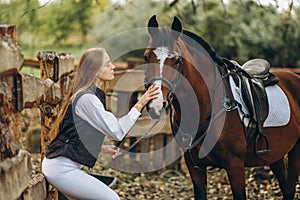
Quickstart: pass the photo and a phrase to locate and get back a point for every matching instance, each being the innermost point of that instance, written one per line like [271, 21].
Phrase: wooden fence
[25, 91]
[20, 91]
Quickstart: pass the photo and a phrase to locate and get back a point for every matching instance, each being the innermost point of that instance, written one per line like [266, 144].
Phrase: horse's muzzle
[154, 113]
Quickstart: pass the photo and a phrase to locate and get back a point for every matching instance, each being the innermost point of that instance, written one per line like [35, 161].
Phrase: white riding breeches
[67, 177]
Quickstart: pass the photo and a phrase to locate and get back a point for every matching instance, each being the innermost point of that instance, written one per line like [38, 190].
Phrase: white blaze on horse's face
[162, 53]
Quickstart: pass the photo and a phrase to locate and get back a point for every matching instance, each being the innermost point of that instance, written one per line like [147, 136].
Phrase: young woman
[81, 126]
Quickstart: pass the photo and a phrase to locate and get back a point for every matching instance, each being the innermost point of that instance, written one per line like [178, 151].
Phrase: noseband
[171, 85]
[229, 103]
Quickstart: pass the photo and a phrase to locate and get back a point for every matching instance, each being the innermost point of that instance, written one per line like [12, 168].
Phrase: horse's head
[164, 63]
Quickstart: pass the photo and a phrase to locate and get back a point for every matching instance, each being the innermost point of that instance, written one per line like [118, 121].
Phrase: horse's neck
[202, 103]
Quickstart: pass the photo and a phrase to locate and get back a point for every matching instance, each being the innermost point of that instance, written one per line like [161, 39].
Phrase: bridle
[229, 103]
[173, 84]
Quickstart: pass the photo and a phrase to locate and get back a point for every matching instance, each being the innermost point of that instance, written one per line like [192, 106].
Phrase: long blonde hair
[90, 63]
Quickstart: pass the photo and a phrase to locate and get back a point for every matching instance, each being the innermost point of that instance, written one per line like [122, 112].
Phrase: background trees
[237, 29]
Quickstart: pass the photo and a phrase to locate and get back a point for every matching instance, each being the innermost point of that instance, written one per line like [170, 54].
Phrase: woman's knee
[113, 195]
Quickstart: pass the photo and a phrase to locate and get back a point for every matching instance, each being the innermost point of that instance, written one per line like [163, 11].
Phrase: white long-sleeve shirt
[90, 109]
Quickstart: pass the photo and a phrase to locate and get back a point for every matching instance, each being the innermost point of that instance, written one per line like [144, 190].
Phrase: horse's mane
[211, 52]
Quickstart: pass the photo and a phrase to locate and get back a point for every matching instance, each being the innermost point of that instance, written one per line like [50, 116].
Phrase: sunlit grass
[30, 69]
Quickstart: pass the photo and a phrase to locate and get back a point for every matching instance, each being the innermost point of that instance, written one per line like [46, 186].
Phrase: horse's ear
[152, 26]
[176, 28]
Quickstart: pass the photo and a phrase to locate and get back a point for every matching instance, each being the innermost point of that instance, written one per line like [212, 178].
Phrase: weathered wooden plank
[11, 54]
[15, 175]
[134, 62]
[49, 107]
[66, 63]
[32, 62]
[65, 82]
[34, 90]
[10, 123]
[48, 65]
[143, 124]
[36, 188]
[127, 81]
[53, 66]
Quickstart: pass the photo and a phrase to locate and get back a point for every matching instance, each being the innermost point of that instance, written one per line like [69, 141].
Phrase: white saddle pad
[279, 108]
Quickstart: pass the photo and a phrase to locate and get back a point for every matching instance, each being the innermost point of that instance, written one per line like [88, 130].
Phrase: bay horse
[195, 90]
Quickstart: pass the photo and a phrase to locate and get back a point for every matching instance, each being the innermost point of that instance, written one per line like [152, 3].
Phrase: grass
[29, 69]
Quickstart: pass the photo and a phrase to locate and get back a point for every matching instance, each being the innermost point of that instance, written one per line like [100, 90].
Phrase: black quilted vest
[77, 139]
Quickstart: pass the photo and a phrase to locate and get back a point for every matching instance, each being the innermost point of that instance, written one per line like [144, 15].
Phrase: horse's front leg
[198, 176]
[236, 175]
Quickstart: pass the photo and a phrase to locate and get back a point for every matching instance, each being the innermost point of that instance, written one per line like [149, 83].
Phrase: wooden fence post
[15, 164]
[48, 104]
[53, 67]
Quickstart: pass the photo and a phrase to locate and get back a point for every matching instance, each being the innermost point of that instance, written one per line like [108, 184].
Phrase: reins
[137, 141]
[172, 86]
[229, 105]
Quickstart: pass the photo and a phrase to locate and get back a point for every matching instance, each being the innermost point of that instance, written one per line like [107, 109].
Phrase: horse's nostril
[153, 114]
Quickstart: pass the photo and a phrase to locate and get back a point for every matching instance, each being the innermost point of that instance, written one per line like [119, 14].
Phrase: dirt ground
[168, 183]
[176, 184]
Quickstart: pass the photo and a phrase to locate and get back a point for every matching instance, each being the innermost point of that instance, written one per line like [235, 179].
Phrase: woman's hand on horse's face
[150, 94]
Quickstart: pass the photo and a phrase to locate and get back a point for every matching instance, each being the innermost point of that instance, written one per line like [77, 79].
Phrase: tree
[244, 29]
[236, 29]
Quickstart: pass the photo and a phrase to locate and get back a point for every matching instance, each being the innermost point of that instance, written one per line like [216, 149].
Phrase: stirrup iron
[262, 151]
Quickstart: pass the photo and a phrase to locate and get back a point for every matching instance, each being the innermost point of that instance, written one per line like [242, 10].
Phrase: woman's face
[106, 72]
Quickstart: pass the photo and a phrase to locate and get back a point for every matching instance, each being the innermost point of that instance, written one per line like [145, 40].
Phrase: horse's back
[289, 83]
[289, 134]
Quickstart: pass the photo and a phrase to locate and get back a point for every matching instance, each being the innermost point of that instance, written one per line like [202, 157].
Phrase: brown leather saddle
[252, 78]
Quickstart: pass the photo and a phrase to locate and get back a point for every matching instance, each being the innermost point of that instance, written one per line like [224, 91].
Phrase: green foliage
[64, 18]
[238, 29]
[243, 29]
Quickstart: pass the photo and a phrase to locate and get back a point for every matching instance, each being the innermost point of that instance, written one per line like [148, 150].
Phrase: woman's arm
[90, 108]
